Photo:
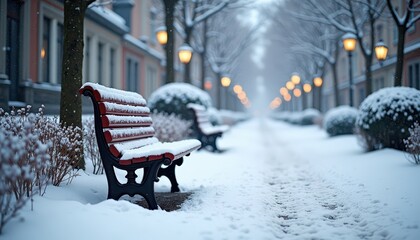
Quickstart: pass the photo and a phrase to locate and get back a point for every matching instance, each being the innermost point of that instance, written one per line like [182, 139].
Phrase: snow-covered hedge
[309, 116]
[340, 120]
[174, 97]
[169, 127]
[385, 116]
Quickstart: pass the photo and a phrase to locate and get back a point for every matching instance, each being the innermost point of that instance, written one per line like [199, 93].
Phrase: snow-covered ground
[275, 181]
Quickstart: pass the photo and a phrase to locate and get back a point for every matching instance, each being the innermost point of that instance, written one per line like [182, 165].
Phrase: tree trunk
[71, 101]
[335, 85]
[203, 56]
[368, 74]
[187, 69]
[218, 91]
[169, 48]
[400, 56]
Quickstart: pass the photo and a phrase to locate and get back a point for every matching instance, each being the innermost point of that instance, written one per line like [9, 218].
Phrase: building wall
[36, 76]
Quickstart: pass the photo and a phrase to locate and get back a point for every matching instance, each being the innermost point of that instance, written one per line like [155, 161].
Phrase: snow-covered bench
[206, 132]
[126, 141]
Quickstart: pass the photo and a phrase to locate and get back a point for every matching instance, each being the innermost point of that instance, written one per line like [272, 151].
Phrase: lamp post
[381, 51]
[225, 81]
[349, 43]
[318, 93]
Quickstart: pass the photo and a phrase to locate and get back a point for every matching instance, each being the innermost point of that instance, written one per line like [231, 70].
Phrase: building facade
[120, 50]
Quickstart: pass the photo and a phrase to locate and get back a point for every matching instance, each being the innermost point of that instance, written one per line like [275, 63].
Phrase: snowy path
[308, 206]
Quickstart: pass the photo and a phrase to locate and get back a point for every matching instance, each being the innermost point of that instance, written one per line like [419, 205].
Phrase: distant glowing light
[297, 92]
[307, 87]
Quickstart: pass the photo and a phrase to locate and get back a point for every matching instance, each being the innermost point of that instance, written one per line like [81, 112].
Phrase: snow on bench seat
[171, 150]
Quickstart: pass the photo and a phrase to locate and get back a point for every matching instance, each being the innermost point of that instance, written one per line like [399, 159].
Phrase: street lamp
[295, 79]
[162, 35]
[349, 43]
[307, 87]
[225, 81]
[185, 53]
[381, 51]
[318, 81]
[290, 85]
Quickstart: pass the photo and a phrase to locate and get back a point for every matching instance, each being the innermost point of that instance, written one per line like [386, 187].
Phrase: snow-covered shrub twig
[170, 127]
[64, 149]
[90, 146]
[412, 143]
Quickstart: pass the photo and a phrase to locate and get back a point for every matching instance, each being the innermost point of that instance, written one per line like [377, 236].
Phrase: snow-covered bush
[309, 116]
[412, 143]
[169, 127]
[90, 146]
[340, 120]
[174, 97]
[23, 158]
[64, 149]
[385, 116]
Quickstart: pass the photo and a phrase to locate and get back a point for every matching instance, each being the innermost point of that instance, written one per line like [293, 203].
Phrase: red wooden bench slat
[112, 136]
[124, 110]
[108, 121]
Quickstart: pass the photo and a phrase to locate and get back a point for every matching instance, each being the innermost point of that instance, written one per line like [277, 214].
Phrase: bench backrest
[122, 119]
[201, 116]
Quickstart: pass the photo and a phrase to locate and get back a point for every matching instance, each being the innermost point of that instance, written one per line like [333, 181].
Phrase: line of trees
[313, 30]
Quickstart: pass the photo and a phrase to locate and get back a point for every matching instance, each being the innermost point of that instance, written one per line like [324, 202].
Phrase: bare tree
[316, 42]
[226, 43]
[351, 16]
[403, 23]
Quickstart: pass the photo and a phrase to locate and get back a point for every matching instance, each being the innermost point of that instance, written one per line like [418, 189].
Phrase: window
[132, 75]
[87, 59]
[45, 51]
[361, 94]
[151, 80]
[60, 35]
[414, 75]
[100, 62]
[112, 66]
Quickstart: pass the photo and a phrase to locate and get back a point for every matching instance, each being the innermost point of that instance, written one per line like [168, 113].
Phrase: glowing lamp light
[162, 35]
[287, 98]
[381, 50]
[208, 85]
[318, 82]
[297, 92]
[295, 79]
[283, 91]
[242, 95]
[237, 88]
[185, 53]
[307, 87]
[290, 85]
[43, 53]
[225, 81]
[349, 42]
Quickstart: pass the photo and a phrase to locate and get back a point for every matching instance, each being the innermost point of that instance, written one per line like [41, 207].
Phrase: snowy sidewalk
[275, 181]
